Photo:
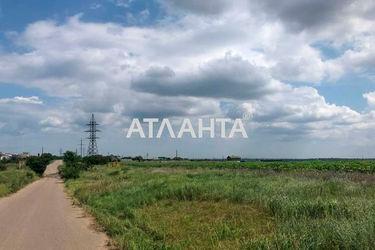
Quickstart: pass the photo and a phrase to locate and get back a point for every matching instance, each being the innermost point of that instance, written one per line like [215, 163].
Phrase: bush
[47, 157]
[96, 160]
[71, 157]
[74, 164]
[3, 166]
[38, 164]
[138, 158]
[70, 171]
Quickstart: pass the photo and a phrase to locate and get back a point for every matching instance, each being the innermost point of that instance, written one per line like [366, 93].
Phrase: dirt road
[41, 216]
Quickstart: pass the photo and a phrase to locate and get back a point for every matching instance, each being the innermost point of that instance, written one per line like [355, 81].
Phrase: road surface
[41, 216]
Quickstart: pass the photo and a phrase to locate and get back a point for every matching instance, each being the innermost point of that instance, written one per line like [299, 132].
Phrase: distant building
[10, 156]
[5, 156]
[233, 158]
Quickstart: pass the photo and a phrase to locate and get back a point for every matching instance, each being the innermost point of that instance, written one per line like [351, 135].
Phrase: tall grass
[13, 179]
[306, 209]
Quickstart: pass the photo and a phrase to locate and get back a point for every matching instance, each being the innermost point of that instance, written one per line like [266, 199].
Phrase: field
[13, 179]
[229, 205]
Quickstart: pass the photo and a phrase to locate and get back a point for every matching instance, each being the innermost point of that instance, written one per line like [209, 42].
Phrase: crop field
[335, 165]
[13, 179]
[230, 205]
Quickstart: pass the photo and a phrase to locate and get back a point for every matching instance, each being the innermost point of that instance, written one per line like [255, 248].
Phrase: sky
[302, 70]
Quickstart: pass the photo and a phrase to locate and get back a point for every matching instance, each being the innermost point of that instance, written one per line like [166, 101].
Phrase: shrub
[47, 157]
[3, 166]
[138, 158]
[70, 171]
[96, 160]
[70, 157]
[37, 164]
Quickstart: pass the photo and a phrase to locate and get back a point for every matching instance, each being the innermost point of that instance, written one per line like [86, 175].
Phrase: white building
[5, 156]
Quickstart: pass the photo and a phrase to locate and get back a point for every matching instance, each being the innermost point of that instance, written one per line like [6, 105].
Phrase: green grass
[13, 179]
[184, 205]
[336, 165]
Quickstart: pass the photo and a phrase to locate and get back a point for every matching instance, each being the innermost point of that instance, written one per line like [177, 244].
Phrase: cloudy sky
[304, 70]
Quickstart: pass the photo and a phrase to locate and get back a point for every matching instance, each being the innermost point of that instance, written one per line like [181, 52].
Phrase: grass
[210, 224]
[335, 165]
[184, 205]
[13, 179]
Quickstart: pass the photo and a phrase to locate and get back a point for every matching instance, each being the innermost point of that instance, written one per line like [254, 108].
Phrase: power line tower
[93, 147]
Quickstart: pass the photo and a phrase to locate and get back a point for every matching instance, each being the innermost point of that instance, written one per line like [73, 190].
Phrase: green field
[13, 179]
[228, 205]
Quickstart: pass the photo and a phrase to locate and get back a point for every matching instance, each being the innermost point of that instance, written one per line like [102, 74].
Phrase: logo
[213, 127]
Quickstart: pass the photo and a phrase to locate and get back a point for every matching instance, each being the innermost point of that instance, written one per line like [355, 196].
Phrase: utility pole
[81, 147]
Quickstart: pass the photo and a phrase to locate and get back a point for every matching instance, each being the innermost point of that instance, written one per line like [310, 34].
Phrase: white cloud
[95, 6]
[21, 100]
[370, 98]
[212, 54]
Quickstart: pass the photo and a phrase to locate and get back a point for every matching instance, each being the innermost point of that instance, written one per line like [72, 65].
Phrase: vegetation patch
[12, 179]
[201, 206]
[205, 224]
[39, 163]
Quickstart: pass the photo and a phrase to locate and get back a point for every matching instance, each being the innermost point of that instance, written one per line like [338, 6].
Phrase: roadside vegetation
[74, 164]
[17, 173]
[12, 178]
[39, 163]
[232, 205]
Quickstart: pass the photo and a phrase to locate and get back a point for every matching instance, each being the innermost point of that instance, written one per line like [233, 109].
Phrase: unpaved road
[41, 216]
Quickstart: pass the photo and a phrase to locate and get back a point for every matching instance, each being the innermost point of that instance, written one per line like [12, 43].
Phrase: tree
[70, 157]
[37, 164]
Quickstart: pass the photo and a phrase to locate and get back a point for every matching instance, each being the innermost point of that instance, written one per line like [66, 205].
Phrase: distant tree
[72, 165]
[97, 160]
[37, 164]
[70, 157]
[138, 158]
[47, 157]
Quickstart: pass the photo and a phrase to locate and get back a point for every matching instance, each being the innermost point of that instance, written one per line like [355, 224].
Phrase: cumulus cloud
[229, 77]
[304, 14]
[197, 6]
[295, 112]
[218, 58]
[370, 98]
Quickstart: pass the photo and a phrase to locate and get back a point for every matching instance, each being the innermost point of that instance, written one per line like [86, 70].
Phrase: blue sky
[16, 15]
[306, 77]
